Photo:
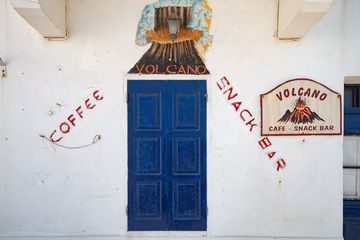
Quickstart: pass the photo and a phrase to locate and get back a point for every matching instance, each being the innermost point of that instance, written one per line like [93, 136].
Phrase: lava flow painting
[300, 114]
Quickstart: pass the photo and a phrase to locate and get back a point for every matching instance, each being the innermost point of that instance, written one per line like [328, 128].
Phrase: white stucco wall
[49, 191]
[352, 36]
[3, 28]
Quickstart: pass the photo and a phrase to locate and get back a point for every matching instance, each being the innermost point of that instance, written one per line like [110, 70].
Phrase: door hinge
[206, 97]
[127, 211]
[207, 211]
[127, 97]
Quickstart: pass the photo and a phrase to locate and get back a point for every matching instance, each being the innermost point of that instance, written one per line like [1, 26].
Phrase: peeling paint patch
[37, 179]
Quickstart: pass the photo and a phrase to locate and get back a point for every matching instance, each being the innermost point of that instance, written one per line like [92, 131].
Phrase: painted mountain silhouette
[300, 114]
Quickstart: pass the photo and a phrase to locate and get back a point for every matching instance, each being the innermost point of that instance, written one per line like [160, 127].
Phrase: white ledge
[48, 17]
[296, 17]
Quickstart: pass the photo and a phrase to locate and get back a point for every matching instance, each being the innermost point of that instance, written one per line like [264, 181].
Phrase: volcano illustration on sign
[300, 114]
[178, 31]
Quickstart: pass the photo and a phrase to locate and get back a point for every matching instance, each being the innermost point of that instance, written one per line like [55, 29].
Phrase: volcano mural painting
[301, 107]
[300, 114]
[178, 31]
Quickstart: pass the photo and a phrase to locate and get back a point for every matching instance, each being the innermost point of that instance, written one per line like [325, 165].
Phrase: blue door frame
[166, 155]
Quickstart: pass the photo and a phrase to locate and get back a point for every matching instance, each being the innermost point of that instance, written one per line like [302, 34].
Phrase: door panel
[188, 138]
[187, 106]
[148, 200]
[187, 158]
[147, 163]
[148, 155]
[147, 112]
[187, 195]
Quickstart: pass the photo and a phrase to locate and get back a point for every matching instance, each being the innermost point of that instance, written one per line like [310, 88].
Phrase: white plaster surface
[3, 28]
[82, 194]
[352, 35]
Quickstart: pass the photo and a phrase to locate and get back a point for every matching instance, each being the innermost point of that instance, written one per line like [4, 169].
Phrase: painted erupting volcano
[300, 114]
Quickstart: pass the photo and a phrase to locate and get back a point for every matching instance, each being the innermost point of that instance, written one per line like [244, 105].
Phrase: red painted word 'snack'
[247, 117]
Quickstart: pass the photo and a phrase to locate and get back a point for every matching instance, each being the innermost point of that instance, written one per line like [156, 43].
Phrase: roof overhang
[48, 17]
[296, 17]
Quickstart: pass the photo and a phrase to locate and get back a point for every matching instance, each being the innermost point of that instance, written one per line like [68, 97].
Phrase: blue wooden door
[351, 220]
[166, 155]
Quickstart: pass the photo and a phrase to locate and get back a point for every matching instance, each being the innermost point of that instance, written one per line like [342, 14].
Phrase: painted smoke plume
[300, 114]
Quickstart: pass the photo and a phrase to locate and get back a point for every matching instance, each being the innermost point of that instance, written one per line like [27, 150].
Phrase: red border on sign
[306, 134]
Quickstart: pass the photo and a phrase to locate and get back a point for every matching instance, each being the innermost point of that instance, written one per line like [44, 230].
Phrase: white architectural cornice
[296, 17]
[48, 17]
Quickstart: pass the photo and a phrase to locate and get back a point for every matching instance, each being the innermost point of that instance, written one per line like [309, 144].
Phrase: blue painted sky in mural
[198, 22]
